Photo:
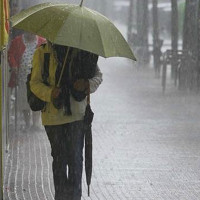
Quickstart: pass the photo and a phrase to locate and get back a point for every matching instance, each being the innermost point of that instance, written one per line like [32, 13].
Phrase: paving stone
[145, 144]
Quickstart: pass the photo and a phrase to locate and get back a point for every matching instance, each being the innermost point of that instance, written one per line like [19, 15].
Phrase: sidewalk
[146, 145]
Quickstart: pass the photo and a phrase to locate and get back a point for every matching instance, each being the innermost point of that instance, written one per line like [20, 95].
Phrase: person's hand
[55, 92]
[81, 85]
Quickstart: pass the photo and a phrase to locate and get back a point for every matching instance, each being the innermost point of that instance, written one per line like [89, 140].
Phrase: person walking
[20, 56]
[65, 109]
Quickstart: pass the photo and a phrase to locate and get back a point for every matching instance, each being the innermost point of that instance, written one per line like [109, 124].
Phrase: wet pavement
[146, 144]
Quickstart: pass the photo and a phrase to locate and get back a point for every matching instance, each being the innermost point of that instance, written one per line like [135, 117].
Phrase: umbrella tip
[81, 3]
[88, 190]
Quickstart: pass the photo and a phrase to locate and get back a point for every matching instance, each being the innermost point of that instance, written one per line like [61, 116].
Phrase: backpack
[34, 102]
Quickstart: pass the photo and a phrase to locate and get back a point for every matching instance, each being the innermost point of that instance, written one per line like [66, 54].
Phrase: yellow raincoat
[51, 115]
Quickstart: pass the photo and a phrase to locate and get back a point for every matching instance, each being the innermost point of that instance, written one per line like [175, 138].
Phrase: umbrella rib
[112, 37]
[99, 34]
[105, 18]
[81, 27]
[95, 22]
[104, 52]
[30, 14]
[44, 26]
[93, 12]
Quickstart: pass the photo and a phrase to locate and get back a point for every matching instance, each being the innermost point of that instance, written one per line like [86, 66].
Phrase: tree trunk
[174, 36]
[146, 31]
[130, 21]
[188, 71]
[142, 30]
[198, 48]
[156, 45]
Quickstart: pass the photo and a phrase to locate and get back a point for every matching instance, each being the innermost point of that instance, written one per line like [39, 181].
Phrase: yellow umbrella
[74, 26]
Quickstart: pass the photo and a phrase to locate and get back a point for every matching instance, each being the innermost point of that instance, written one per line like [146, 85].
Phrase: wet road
[146, 144]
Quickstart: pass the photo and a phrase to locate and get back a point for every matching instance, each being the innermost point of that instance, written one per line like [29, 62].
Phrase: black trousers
[67, 142]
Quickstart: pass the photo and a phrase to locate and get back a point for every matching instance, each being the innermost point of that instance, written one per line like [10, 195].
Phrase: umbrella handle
[61, 74]
[88, 97]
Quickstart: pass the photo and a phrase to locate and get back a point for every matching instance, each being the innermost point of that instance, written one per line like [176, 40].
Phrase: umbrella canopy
[74, 26]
